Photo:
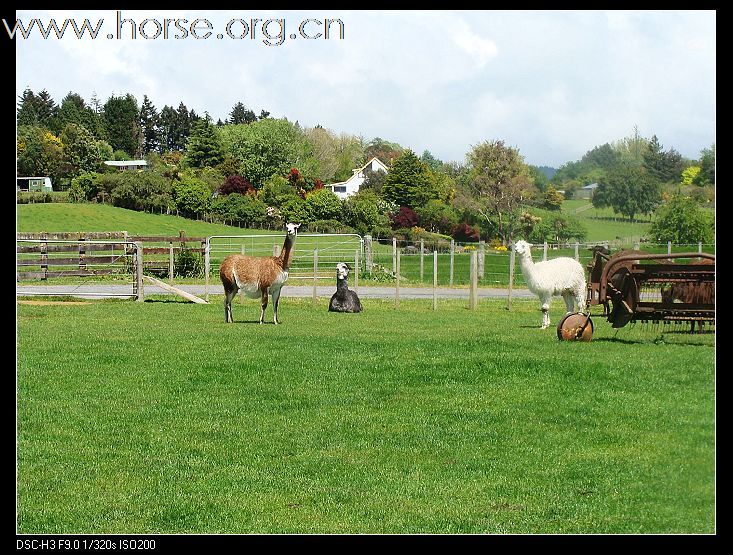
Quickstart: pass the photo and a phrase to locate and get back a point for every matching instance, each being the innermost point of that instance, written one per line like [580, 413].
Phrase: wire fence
[493, 262]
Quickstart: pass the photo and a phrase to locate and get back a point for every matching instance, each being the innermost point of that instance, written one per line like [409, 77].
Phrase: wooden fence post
[669, 247]
[544, 251]
[474, 281]
[422, 260]
[207, 268]
[435, 280]
[356, 269]
[577, 255]
[394, 254]
[452, 257]
[139, 272]
[368, 253]
[315, 275]
[511, 279]
[397, 279]
[481, 258]
[170, 262]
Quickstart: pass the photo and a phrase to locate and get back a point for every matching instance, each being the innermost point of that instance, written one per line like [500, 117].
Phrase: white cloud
[552, 83]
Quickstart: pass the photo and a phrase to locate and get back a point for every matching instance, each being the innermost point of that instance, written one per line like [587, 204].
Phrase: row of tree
[260, 171]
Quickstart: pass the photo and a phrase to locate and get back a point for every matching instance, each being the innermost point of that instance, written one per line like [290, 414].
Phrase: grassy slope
[462, 421]
[98, 217]
[604, 224]
[601, 224]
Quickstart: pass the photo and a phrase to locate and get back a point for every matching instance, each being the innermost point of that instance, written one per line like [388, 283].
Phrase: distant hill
[547, 170]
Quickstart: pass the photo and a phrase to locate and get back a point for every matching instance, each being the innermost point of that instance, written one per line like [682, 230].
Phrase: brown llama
[257, 276]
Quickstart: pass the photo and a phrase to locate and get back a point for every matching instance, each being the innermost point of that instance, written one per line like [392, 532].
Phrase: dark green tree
[204, 147]
[47, 111]
[241, 114]
[408, 182]
[663, 166]
[169, 133]
[27, 108]
[121, 118]
[183, 126]
[149, 127]
[629, 190]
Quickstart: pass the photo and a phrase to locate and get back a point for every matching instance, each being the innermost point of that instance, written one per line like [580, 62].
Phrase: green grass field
[603, 224]
[157, 417]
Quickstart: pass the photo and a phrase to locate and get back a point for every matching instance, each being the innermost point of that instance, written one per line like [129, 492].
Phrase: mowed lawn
[158, 417]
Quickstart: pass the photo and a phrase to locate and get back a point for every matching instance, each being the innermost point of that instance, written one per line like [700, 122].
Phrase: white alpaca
[561, 276]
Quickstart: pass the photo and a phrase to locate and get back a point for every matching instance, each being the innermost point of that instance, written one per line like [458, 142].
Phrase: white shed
[41, 184]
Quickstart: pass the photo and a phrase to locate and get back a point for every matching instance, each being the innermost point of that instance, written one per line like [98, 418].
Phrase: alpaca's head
[522, 247]
[342, 270]
[292, 229]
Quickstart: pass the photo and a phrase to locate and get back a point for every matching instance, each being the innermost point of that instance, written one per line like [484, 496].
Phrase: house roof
[591, 186]
[370, 161]
[126, 162]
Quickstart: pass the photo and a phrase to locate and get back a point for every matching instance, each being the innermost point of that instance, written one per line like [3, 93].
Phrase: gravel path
[373, 292]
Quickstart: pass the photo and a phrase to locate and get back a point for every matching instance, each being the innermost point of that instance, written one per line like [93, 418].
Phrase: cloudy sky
[554, 84]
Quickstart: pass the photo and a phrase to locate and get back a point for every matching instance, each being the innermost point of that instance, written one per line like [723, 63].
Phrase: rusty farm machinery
[633, 286]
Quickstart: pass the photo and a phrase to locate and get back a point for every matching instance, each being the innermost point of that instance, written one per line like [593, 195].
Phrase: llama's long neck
[286, 256]
[527, 265]
[342, 286]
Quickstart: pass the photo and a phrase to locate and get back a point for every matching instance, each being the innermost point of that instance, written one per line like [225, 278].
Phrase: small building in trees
[587, 191]
[34, 184]
[344, 189]
[125, 165]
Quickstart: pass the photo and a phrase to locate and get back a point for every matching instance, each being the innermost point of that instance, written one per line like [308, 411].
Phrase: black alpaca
[344, 299]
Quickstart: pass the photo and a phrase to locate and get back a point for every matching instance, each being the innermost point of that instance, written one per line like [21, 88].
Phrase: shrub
[236, 184]
[323, 205]
[465, 233]
[406, 217]
[188, 263]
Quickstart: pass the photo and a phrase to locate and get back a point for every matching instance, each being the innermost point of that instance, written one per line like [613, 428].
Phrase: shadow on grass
[271, 323]
[659, 340]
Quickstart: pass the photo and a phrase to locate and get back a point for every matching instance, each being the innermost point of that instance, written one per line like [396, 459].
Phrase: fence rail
[40, 256]
[41, 259]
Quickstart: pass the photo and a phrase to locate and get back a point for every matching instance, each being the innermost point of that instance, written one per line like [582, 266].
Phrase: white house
[41, 184]
[123, 165]
[344, 189]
